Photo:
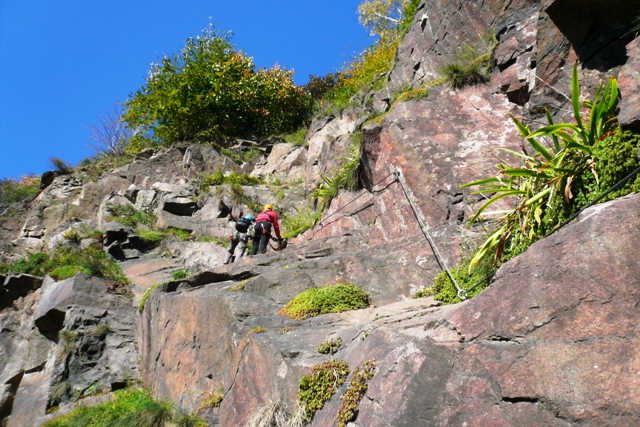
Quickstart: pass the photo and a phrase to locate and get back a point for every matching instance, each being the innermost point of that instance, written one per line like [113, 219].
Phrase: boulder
[629, 84]
[178, 205]
[30, 403]
[57, 296]
[16, 287]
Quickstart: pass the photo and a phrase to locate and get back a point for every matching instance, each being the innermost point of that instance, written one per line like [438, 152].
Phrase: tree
[111, 135]
[382, 17]
[208, 90]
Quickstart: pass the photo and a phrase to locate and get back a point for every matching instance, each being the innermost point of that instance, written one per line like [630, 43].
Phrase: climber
[266, 220]
[239, 238]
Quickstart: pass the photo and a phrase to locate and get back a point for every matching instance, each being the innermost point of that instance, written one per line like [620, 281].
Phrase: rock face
[66, 340]
[553, 341]
[549, 343]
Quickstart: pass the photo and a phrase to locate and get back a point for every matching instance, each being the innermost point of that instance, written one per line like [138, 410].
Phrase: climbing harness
[282, 245]
[425, 230]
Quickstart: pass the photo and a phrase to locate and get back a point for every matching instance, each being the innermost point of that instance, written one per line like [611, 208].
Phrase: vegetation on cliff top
[207, 91]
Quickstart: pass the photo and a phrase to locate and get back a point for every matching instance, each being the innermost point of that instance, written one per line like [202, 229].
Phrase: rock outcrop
[553, 341]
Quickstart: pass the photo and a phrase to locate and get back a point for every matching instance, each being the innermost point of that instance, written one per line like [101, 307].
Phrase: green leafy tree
[382, 17]
[208, 90]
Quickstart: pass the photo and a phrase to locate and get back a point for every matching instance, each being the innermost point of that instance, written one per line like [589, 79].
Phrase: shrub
[355, 393]
[242, 155]
[322, 382]
[330, 299]
[65, 261]
[222, 177]
[472, 65]
[211, 399]
[130, 407]
[130, 216]
[179, 275]
[12, 191]
[206, 90]
[318, 86]
[297, 138]
[299, 221]
[346, 176]
[550, 174]
[330, 346]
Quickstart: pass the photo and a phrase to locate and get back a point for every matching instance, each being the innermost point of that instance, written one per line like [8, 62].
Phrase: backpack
[242, 225]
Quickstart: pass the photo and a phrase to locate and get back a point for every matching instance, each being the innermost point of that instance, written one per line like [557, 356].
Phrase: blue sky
[65, 63]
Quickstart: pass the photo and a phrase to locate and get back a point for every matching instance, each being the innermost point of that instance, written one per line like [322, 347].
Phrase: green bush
[208, 89]
[299, 221]
[133, 407]
[65, 262]
[145, 297]
[322, 382]
[297, 138]
[444, 290]
[222, 177]
[130, 216]
[345, 177]
[179, 274]
[329, 299]
[12, 191]
[472, 65]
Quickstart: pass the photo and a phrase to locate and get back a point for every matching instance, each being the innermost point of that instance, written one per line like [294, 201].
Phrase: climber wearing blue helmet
[239, 238]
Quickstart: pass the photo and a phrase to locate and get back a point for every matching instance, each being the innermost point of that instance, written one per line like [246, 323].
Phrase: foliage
[130, 216]
[133, 407]
[444, 290]
[222, 177]
[60, 166]
[297, 138]
[81, 232]
[346, 176]
[259, 330]
[318, 86]
[298, 221]
[211, 399]
[410, 11]
[206, 90]
[238, 287]
[67, 271]
[405, 95]
[331, 346]
[67, 341]
[91, 260]
[545, 175]
[355, 393]
[94, 167]
[363, 73]
[186, 420]
[320, 384]
[145, 297]
[179, 274]
[243, 156]
[472, 65]
[382, 17]
[22, 190]
[329, 299]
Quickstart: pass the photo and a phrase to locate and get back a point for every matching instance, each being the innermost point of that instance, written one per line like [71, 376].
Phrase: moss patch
[355, 393]
[330, 299]
[330, 346]
[322, 382]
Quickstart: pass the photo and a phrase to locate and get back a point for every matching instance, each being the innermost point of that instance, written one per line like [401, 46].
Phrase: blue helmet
[249, 217]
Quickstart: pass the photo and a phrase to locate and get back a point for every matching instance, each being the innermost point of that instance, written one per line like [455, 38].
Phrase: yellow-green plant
[329, 299]
[320, 384]
[548, 171]
[346, 176]
[355, 392]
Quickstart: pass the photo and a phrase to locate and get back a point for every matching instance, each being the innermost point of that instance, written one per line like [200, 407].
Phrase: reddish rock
[30, 404]
[629, 83]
